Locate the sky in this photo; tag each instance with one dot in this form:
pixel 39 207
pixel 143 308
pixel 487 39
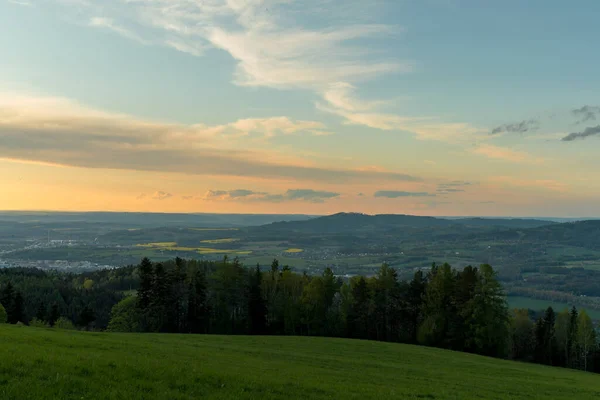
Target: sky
pixel 426 107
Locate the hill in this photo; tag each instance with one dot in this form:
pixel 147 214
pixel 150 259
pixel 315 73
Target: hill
pixel 49 364
pixel 357 222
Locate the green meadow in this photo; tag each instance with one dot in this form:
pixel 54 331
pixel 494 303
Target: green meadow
pixel 37 363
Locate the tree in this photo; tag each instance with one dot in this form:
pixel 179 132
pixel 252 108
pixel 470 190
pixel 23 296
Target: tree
pixel 545 338
pixel 86 317
pixel 54 315
pixel 197 313
pixel 125 316
pixel 40 315
pixel 160 295
pixel 358 316
pixel 573 355
pixel 18 311
pixel 146 281
pixel 257 310
pixel 488 325
pixel 88 284
pixel 3 315
pixel 7 298
pixel 522 339
pixel 438 307
pixel 562 329
pixel 586 337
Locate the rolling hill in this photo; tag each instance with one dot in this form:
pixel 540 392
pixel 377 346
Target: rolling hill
pixel 50 364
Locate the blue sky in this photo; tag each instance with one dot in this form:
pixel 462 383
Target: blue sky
pixel 372 89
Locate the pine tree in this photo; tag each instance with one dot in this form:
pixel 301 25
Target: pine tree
pixel 54 315
pixel 18 311
pixel 257 309
pixel 40 315
pixel 86 317
pixel 146 280
pixel 197 315
pixel 160 295
pixel 7 299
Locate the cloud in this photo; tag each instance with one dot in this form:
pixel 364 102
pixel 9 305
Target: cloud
pixel 306 195
pixel 546 184
pixel 160 195
pixel 393 194
pixel 586 113
pixel 506 154
pixel 270 127
pixel 519 127
pixel 590 131
pixel 59 131
pixel 452 187
pixel 108 23
pixel 340 100
pixel 20 3
pixel 270 45
pixel 316 196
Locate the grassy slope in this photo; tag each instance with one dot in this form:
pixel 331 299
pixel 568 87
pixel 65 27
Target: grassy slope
pixel 51 364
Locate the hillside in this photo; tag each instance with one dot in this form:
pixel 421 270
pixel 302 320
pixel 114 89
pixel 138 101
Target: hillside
pixel 49 364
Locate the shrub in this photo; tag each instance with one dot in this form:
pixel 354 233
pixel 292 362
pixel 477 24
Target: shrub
pixel 37 323
pixel 64 323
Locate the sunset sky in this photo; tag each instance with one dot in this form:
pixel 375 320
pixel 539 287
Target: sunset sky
pixel 429 107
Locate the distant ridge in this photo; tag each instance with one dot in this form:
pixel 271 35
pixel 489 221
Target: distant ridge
pixel 353 221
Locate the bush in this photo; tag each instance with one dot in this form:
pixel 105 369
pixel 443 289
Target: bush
pixel 36 323
pixel 64 323
pixel 3 315
pixel 125 316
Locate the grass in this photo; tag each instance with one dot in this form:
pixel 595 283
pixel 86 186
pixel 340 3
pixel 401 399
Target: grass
pixel 537 305
pixel 37 363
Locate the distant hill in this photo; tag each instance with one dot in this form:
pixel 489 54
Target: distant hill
pixel 357 222
pixel 71 365
pixel 584 234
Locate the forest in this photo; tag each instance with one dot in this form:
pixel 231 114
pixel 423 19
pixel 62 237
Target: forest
pixel 463 310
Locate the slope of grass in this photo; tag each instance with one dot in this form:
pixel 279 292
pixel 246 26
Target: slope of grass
pixel 54 364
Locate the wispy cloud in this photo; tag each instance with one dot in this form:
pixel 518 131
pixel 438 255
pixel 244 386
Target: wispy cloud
pixel 506 154
pixel 306 195
pixel 546 184
pixel 340 99
pixel 108 23
pixel 452 187
pixel 587 132
pixel 586 113
pixel 59 131
pixel 161 195
pixel 394 194
pixel 518 127
pixel 23 3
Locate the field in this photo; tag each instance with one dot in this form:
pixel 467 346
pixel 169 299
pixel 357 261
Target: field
pixel 537 305
pixel 52 364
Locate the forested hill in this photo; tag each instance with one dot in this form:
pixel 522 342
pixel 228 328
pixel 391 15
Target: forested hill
pixel 357 222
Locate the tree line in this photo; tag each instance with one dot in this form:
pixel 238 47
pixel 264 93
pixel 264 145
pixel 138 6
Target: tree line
pixel 462 310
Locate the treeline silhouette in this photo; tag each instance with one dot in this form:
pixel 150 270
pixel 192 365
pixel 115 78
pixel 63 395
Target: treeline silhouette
pixel 462 310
